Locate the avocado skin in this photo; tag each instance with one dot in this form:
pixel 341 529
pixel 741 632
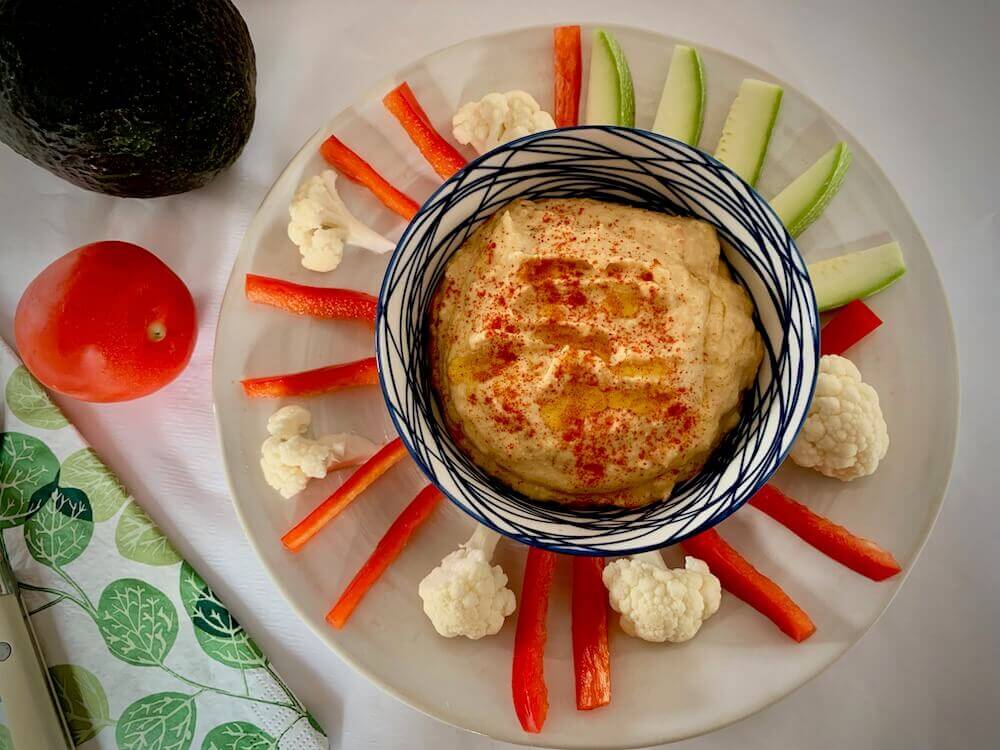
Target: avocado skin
pixel 134 98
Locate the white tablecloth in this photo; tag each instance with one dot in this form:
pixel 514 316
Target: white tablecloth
pixel 915 82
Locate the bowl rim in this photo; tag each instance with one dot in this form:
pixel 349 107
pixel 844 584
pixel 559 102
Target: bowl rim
pixel 580 550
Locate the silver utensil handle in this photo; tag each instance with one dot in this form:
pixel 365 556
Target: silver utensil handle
pixel 31 716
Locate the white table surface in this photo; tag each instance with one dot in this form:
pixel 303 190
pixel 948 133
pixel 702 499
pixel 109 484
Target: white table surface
pixel 915 82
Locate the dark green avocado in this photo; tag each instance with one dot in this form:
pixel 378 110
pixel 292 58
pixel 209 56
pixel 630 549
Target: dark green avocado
pixel 135 98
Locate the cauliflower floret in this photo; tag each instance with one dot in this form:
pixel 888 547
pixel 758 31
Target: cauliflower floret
pixel 288 422
pixel 464 595
pixel 311 456
pixel 287 479
pixel 844 435
pixel 659 604
pixel 321 224
pixel 498 118
pixel 289 459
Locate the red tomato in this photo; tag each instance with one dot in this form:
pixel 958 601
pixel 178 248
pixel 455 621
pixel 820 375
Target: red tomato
pixel 106 322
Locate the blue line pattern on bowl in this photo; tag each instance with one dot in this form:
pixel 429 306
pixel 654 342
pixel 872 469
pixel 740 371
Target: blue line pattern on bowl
pixel 641 169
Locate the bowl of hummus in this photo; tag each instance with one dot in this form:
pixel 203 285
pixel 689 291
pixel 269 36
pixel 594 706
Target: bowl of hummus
pixel 597 340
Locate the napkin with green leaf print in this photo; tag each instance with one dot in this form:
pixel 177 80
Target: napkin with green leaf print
pixel 141 651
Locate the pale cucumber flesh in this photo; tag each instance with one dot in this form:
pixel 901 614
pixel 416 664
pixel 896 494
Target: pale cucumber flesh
pixel 681 112
pixel 748 127
pixel 846 278
pixel 806 197
pixel 610 92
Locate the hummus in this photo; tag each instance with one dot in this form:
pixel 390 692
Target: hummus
pixel 591 353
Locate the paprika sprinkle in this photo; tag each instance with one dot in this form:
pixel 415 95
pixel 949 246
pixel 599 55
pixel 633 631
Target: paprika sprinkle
pixel 591 353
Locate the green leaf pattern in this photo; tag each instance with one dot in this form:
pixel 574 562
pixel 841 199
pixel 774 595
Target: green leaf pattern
pixel 30 403
pixel 86 471
pixel 137 621
pixel 162 721
pixel 217 631
pixel 82 700
pixel 61 509
pixel 139 539
pixel 238 735
pixel 26 465
pixel 240 652
pixel 60 530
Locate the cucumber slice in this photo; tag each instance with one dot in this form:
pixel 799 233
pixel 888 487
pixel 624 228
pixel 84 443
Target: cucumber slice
pixel 747 132
pixel 682 105
pixel 801 203
pixel 846 278
pixel 610 93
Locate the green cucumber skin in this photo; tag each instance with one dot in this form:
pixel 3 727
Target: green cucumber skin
pixel 831 186
pixel 692 57
pixel 834 302
pixel 750 175
pixel 700 69
pixel 626 89
pixel 767 138
pixel 830 300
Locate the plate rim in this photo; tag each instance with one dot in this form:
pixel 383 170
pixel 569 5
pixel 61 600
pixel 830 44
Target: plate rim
pixel 539 740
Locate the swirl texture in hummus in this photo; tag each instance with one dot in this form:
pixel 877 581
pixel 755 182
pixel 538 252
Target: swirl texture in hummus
pixel 591 353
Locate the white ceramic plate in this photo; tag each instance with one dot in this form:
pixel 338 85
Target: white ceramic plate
pixel 739 662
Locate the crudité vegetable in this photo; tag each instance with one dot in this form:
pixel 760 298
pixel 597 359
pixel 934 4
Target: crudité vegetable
pixel 499 117
pixel 320 224
pixel 657 603
pixel 591 656
pixel 747 131
pixel 531 696
pixel 290 456
pixel 440 154
pixel 806 197
pixel 744 581
pixel 410 98
pixel 352 166
pixel 847 327
pixel 388 456
pixel 568 74
pixel 312 382
pixel 857 553
pixel 466 595
pixel 108 321
pixel 844 435
pixel 314 301
pixel 386 551
pixel 681 112
pixel 837 281
pixel 610 91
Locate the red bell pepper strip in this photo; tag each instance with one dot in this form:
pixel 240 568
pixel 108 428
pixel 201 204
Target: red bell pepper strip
pixel 312 382
pixel 857 553
pixel 744 581
pixel 386 551
pixel 531 696
pixel 568 67
pixel 440 154
pixel 352 166
pixel 314 301
pixel 407 93
pixel 848 326
pixel 388 456
pixel 591 657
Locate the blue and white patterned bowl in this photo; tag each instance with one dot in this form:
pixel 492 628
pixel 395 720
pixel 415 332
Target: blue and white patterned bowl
pixel 646 170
